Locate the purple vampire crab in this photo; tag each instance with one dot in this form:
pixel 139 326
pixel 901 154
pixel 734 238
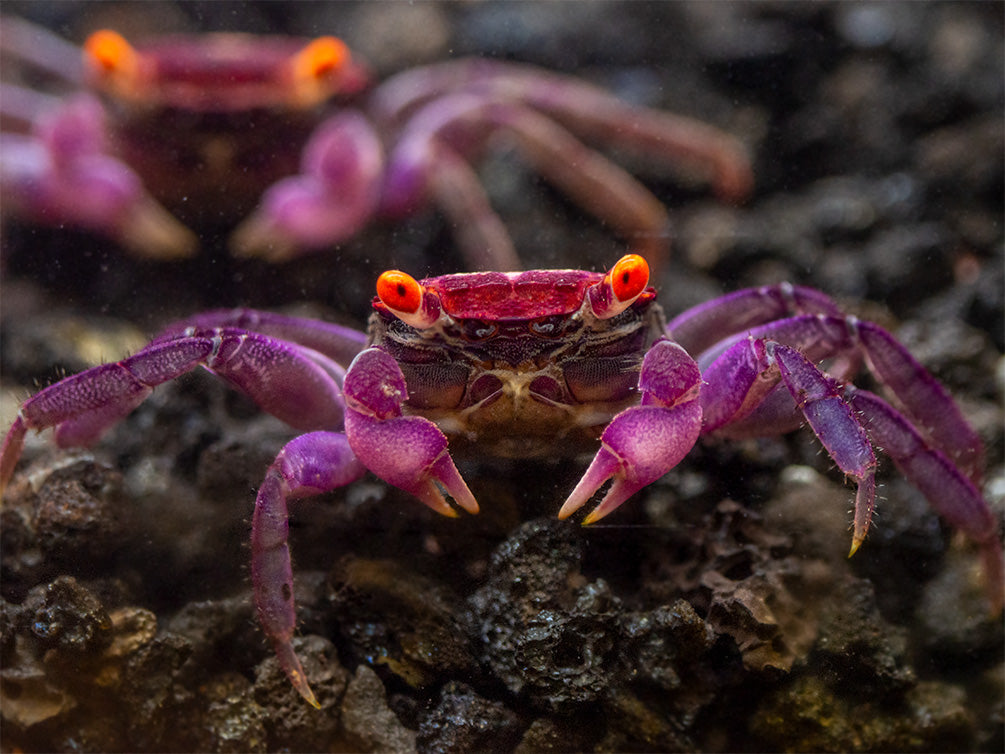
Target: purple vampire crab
pixel 520 364
pixel 206 127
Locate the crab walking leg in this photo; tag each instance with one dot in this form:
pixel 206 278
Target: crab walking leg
pixel 294 384
pixel 820 399
pixel 333 197
pixel 922 397
pixel 588 111
pixel 951 493
pixel 309 465
pixel 20 108
pixel 818 336
pixel 462 121
pixel 701 327
pixel 481 234
pixel 644 442
pixel 738 383
pixel 34 45
pixel 338 343
pixel 409 452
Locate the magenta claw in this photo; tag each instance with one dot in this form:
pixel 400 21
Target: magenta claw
pixel 643 443
pixel 409 452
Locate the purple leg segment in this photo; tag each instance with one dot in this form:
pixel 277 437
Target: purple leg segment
pixel 338 343
pixel 820 399
pixel 309 465
pixel 922 398
pixel 587 111
pixel 702 326
pixel 423 164
pixel 296 385
pixel 644 442
pixel 951 493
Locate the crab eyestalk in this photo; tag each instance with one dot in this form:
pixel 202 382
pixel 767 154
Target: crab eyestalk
pixel 621 286
pixel 408 300
pixel 314 71
pixel 113 62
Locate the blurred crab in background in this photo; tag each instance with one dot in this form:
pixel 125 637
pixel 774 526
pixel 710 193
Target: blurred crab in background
pixel 286 138
pixel 518 365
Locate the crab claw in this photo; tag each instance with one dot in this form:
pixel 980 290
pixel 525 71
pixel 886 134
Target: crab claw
pixel 62 172
pixel 643 443
pixel 330 201
pixel 409 452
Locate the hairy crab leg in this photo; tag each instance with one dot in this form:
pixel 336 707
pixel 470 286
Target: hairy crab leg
pixel 31 44
pixel 951 494
pixel 820 336
pixel 701 327
pixel 338 343
pixel 845 420
pixel 308 465
pixel 481 234
pixel 821 401
pixel 644 442
pixel 586 110
pixel 20 108
pixel 297 385
pixel 409 452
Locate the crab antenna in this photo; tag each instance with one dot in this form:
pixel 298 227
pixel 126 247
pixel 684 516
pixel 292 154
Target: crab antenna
pixel 407 299
pixel 624 283
pixel 315 69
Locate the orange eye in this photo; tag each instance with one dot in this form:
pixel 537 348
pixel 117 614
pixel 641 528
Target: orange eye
pixel 629 277
pixel 320 58
pixel 109 52
pixel 400 292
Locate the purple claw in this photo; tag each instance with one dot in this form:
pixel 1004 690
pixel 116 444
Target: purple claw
pixel 333 198
pixel 409 452
pixel 643 443
pixel 63 173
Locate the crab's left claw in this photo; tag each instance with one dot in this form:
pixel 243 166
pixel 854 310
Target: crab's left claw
pixel 335 194
pixel 409 452
pixel 644 442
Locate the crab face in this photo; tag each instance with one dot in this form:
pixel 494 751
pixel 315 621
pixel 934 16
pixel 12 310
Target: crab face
pixel 515 361
pixel 209 122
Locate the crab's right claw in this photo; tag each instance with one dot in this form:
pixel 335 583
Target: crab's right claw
pixel 62 173
pixel 643 443
pixel 409 452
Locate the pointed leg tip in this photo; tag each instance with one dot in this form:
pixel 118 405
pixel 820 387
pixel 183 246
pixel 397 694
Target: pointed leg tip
pixel 856 541
pixel 290 664
pixel 304 689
